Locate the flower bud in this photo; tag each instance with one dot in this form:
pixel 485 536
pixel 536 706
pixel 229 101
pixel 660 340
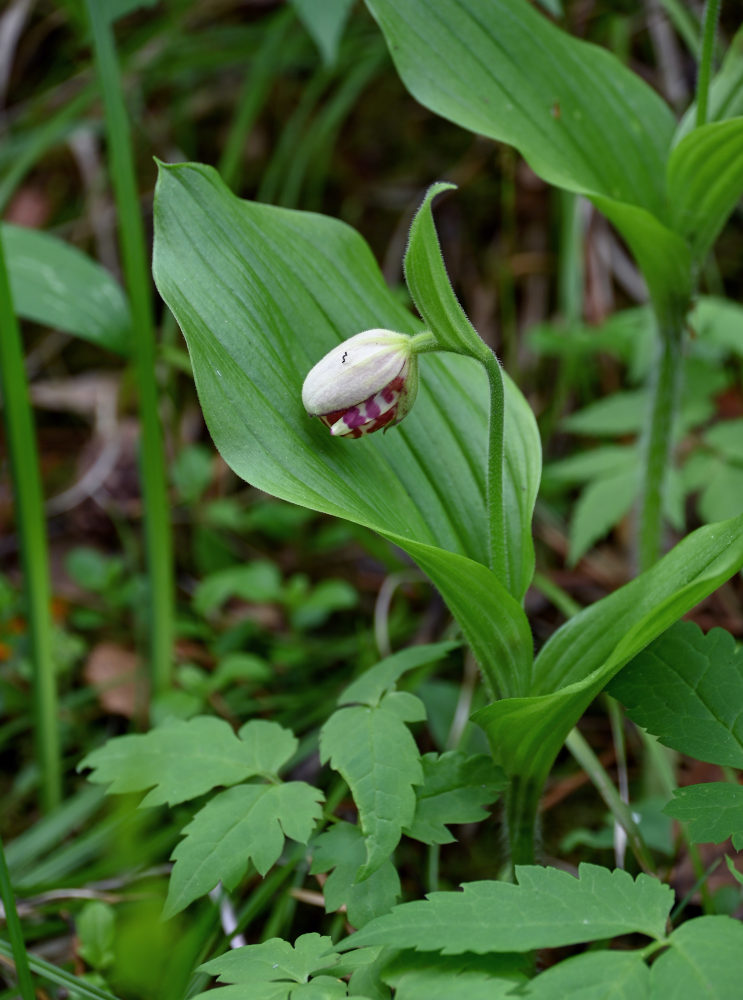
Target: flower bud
pixel 367 383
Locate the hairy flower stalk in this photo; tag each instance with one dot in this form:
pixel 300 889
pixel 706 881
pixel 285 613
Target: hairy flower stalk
pixel 367 383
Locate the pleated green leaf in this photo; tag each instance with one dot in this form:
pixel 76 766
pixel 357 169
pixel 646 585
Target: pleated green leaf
pixel 705 181
pixel 57 285
pixel 261 294
pixel 586 652
pixel 580 118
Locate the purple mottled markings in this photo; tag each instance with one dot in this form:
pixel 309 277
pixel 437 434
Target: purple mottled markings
pixel 372 414
pixel 354 417
pixel 372 409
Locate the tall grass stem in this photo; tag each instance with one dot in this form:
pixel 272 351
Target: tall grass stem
pixel 157 527
pixel 31 526
pixel 15 932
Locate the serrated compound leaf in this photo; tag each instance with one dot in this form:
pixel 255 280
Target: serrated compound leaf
pixel 266 991
pixel 270 745
pixel 686 688
pixel 705 960
pixel 274 960
pixel 456 788
pixel 406 706
pixel 341 850
pixel 502 69
pixel 597 975
pixel 224 267
pixel 243 824
pixel 181 759
pixel 57 285
pixel 321 988
pixel 373 750
pixel 713 812
pixel 375 682
pixel 547 909
pixel 447 977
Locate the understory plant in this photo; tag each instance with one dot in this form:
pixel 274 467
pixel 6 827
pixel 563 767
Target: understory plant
pixel 264 294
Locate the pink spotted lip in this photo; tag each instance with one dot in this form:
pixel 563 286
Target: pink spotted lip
pixel 373 414
pixel 365 384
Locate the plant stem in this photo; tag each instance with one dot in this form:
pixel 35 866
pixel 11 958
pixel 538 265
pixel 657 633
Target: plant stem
pixel 157 528
pixel 15 932
pixel 24 464
pixel 706 54
pixel 521 805
pixel 657 451
pixel 494 499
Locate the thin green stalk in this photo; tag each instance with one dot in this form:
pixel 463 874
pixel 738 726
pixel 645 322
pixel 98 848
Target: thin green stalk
pixel 75 986
pixel 593 767
pixel 522 824
pixel 657 445
pixel 157 528
pixel 24 465
pixel 15 932
pixel 706 55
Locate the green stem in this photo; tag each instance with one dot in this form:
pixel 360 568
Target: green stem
pixel 157 528
pixel 706 54
pixel 15 932
pixel 658 441
pixel 494 499
pixel 24 464
pixel 521 808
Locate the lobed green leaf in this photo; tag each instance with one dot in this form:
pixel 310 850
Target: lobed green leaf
pixel 548 908
pixel 594 975
pixel 373 750
pixel 374 683
pixel 242 824
pixel 456 788
pixel 342 848
pixel 712 811
pixel 181 760
pixel 705 960
pixel 686 688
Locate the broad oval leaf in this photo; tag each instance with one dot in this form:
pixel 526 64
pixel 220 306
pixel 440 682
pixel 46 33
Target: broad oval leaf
pixel 261 293
pixel 57 285
pixel 500 68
